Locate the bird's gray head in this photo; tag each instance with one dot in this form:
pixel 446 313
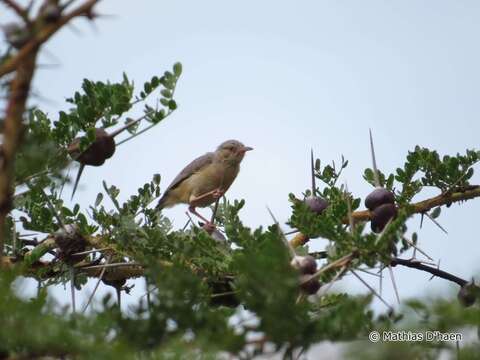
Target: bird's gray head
pixel 232 150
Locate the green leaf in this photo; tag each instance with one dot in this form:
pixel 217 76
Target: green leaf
pixel 177 69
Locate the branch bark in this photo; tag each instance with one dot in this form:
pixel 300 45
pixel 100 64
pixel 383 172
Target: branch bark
pixel 432 270
pixel 23 63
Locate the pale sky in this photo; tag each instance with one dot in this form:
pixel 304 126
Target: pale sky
pixel 284 77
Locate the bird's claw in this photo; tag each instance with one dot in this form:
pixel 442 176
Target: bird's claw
pixel 209 227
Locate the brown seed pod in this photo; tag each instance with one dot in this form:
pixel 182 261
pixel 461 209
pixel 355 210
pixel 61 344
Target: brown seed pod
pixel 305 264
pixel 70 241
pixel 316 204
pixel 467 295
pixel 378 197
pixel 100 150
pixel 309 287
pixel 381 216
pixel 116 283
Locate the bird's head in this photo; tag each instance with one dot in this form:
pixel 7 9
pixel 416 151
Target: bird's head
pixel 232 151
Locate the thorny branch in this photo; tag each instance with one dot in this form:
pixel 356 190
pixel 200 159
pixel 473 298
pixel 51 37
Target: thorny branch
pixel 23 64
pixel 432 270
pixel 420 207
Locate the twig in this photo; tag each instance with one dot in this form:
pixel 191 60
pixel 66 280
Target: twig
pixel 31 48
pixel 215 208
pixel 142 131
pixel 23 13
pixel 108 265
pixel 434 271
pixel 130 124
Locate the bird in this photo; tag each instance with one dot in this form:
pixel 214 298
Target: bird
pixel 205 179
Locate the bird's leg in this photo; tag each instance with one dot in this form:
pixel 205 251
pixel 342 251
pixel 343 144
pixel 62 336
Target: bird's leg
pixel 194 212
pixel 217 193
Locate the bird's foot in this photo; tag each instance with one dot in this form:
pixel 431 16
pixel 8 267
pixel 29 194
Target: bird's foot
pixel 209 227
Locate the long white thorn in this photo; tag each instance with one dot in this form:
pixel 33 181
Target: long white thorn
pixel 374 161
pixel 374 292
pixel 72 288
pixel 312 169
pixel 285 240
pixel 394 283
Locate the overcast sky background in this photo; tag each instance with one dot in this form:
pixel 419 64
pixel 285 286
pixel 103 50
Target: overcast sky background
pixel 284 77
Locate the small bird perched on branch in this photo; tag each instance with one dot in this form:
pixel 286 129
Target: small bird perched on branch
pixel 206 178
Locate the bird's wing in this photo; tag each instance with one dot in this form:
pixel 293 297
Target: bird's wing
pixel 191 169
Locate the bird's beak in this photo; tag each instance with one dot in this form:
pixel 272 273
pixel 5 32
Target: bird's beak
pixel 246 148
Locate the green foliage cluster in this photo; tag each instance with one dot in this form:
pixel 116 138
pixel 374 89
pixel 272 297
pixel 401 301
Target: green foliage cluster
pixel 207 297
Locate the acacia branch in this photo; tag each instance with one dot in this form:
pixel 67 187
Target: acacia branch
pixel 420 207
pixel 432 270
pixel 43 35
pixel 12 135
pixel 23 63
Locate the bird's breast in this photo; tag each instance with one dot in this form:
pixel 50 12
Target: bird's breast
pixel 212 177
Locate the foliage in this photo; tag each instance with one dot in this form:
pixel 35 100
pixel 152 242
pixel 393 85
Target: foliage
pixel 208 298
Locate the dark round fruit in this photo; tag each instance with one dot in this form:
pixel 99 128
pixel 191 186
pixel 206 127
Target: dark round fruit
pixel 381 216
pixel 305 264
pixel 378 197
pixel 95 155
pixel 309 287
pixel 316 204
pixel 467 295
